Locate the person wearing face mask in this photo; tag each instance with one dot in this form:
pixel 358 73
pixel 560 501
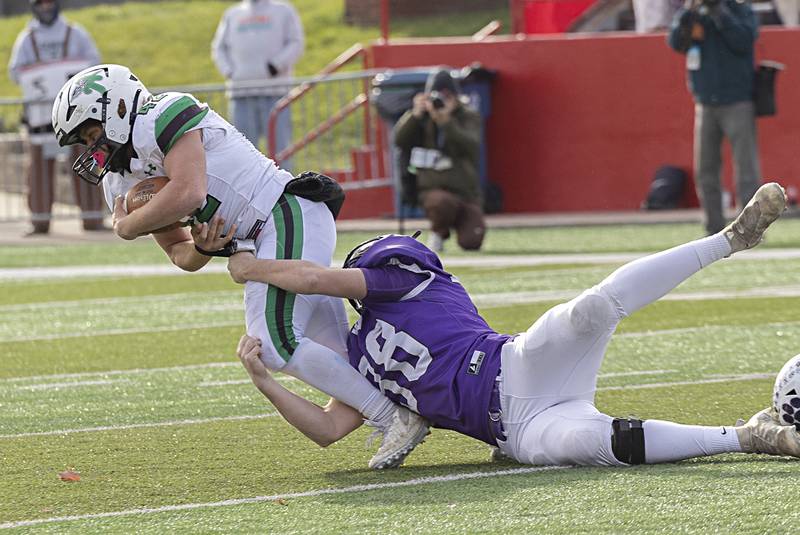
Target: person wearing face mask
pixel 46 54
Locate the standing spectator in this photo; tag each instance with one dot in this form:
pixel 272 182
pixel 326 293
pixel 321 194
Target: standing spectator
pixel 718 37
pixel 443 136
pixel 654 15
pixel 46 53
pixel 788 10
pixel 258 40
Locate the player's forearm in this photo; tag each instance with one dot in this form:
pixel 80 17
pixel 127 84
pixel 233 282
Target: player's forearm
pixel 299 276
pixel 185 256
pixel 175 204
pixel 313 421
pixel 296 276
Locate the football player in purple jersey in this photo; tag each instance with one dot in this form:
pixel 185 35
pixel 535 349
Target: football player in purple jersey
pixel 420 339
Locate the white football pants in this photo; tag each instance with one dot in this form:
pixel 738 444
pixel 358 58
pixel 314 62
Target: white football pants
pixel 306 335
pixel 549 373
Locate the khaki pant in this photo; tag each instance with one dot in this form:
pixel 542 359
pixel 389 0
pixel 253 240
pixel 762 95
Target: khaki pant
pixel 41 192
pixel 447 211
pixel 737 122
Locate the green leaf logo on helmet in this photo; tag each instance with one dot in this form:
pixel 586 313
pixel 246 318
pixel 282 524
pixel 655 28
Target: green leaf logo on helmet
pixel 88 84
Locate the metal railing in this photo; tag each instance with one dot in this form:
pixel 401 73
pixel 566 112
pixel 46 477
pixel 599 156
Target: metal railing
pixel 357 51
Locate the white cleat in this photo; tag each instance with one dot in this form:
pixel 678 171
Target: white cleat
pixel 763 434
pixel 406 431
pixel 747 230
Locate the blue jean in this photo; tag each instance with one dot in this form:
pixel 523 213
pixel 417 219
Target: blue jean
pixel 250 116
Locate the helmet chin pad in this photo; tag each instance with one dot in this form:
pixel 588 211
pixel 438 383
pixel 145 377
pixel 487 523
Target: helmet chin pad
pixel 93 164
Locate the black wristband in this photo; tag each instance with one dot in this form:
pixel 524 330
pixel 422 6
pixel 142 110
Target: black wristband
pixel 227 251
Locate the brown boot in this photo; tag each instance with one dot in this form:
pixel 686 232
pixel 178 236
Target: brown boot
pixel 763 434
pixel 764 208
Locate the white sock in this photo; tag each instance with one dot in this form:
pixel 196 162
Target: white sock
pixel 712 248
pixel 667 441
pixel 326 370
pixel 647 279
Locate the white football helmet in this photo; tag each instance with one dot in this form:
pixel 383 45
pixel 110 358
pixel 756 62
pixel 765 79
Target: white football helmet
pixel 109 94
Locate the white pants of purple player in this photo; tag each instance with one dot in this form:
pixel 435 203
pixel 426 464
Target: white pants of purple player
pixel 549 373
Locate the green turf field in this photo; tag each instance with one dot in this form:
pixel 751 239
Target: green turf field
pixel 132 381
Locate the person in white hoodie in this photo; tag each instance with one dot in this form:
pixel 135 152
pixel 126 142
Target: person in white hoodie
pixel 46 53
pixel 258 40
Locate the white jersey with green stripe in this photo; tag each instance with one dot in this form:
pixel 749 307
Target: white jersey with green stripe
pixel 243 184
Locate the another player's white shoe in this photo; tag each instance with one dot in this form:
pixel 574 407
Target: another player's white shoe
pixel 763 434
pixel 406 431
pixel 747 230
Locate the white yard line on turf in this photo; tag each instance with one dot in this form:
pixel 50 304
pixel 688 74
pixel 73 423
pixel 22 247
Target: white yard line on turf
pixel 716 379
pixel 521 298
pixel 132 371
pixel 745 377
pixel 481 299
pixel 186 327
pixel 33 273
pixel 215 365
pixel 171 423
pixel 52 386
pixel 125 301
pixel 634 373
pixel 132 330
pixel 288 496
pixel 207 384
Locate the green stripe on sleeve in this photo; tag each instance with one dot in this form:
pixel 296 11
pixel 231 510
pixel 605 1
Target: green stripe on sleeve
pixel 171 112
pixel 179 117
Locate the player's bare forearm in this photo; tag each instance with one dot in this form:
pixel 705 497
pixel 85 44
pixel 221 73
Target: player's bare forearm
pixel 299 276
pixel 184 193
pixel 324 425
pixel 179 247
pixel 171 204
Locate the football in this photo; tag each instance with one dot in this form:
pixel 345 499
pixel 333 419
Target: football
pixel 141 193
pixel 786 396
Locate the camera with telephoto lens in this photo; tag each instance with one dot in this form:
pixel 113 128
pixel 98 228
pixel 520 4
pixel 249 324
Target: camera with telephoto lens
pixel 436 100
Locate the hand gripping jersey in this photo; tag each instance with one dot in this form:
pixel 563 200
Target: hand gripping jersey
pixel 243 184
pixel 421 341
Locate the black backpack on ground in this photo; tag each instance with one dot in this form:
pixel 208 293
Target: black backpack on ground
pixel 666 191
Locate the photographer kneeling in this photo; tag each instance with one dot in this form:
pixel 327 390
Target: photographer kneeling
pixel 443 137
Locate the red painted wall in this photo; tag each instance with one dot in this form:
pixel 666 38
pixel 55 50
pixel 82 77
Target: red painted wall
pixel 581 122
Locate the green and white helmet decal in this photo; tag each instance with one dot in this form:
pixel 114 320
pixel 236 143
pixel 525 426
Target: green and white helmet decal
pixel 107 93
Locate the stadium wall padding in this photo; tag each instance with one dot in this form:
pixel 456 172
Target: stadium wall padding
pixel 581 122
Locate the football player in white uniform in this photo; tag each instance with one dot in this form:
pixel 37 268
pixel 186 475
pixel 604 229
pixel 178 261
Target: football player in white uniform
pixel 233 192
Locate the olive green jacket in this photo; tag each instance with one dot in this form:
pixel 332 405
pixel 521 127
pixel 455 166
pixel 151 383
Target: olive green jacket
pixel 459 141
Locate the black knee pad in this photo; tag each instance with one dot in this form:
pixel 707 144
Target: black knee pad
pixel 627 440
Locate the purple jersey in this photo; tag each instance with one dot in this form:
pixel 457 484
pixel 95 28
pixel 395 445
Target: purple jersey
pixel 421 341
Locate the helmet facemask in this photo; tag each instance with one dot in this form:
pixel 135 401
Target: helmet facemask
pixel 93 164
pixel 350 262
